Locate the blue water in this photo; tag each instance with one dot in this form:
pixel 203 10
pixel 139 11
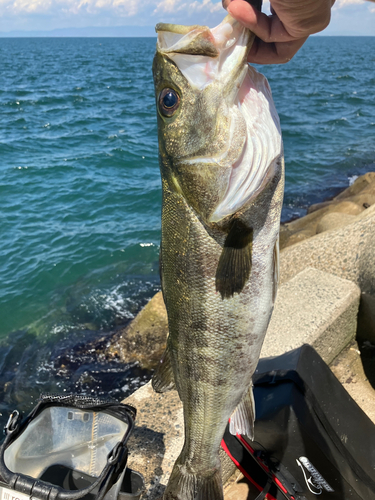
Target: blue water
pixel 80 190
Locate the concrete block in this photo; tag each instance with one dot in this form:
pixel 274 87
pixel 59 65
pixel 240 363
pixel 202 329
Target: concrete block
pixel 315 308
pixel 351 370
pixel 157 438
pixel 347 252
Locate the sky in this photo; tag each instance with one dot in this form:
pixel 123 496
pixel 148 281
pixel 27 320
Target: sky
pixel 349 17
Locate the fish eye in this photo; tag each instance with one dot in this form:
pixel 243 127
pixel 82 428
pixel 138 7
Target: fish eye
pixel 169 101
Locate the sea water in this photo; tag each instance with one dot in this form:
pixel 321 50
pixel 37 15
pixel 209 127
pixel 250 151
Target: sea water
pixel 80 192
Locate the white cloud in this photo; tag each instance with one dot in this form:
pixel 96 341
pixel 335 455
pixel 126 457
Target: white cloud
pixel 124 8
pixel 121 8
pixel 173 6
pixel 50 14
pixel 344 3
pixel 27 6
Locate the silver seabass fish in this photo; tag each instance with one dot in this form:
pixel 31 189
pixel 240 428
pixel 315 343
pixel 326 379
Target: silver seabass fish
pixel 222 175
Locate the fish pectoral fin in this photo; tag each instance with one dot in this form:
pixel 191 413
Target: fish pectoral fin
pixel 242 419
pixel 163 379
pixel 234 265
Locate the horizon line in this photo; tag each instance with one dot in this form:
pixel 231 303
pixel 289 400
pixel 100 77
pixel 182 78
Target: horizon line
pixel 147 31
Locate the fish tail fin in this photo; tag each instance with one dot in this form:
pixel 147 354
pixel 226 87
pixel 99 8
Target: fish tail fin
pixel 242 419
pixel 163 379
pixel 185 485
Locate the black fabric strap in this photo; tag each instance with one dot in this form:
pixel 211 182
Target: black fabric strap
pixel 266 489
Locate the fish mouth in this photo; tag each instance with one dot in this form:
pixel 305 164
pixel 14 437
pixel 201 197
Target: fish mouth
pixel 205 55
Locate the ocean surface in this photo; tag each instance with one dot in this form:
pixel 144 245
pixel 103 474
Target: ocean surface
pixel 80 191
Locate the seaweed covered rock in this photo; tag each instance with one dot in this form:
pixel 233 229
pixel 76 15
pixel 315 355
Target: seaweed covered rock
pixel 144 339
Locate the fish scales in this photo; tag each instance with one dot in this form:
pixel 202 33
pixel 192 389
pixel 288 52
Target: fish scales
pixel 219 250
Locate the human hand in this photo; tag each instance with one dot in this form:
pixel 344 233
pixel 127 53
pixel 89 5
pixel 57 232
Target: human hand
pixel 282 34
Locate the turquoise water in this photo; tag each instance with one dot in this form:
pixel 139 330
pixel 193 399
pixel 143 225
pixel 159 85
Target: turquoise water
pixel 80 189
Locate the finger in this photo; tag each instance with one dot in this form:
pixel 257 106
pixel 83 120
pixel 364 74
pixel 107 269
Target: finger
pixel 267 28
pixel 274 53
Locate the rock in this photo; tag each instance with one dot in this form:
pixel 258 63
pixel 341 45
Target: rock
pixel 308 221
pixel 370 189
pixel 144 339
pixel 363 198
pixel 364 183
pixel 347 207
pixel 313 308
pixel 349 368
pixel 366 318
pixel 359 184
pixel 285 234
pixel 157 438
pixel 294 238
pixel 334 220
pixel 318 206
pixel 240 488
pixel 347 252
pixel 305 227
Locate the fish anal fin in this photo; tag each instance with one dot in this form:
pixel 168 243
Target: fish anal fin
pixel 234 265
pixel 163 379
pixel 242 419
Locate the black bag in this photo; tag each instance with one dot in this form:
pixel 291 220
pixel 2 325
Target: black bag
pixel 311 439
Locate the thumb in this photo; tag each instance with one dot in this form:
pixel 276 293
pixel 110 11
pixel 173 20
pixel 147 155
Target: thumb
pixel 267 28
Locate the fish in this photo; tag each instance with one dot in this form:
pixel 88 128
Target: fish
pixel 222 173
